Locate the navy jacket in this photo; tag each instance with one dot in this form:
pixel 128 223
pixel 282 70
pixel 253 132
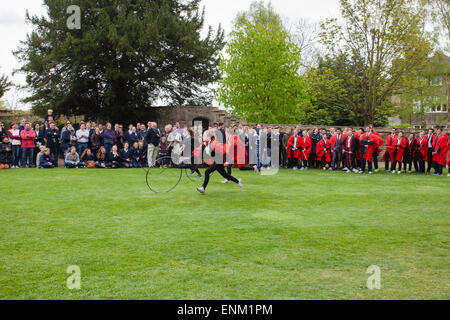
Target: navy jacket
pixel 153 136
pixel 124 155
pixel 52 137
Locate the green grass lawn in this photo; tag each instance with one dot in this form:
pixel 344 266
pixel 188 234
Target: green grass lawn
pixel 295 235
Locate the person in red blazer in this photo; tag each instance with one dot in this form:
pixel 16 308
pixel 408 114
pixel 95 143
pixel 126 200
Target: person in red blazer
pixel 351 144
pixel 218 153
pixel 448 160
pixel 368 141
pixel 306 149
pixel 293 149
pixel 430 138
pixel 439 151
pixel 390 149
pixel 399 151
pixel 421 152
pixel 323 151
pixel 408 156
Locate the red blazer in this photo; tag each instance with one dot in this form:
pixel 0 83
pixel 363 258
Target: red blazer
pixel 440 143
pixel 400 146
pixel 448 149
pixel 333 141
pixel 390 142
pixel 323 149
pixel 371 147
pixel 306 147
pixel 422 147
pixel 290 146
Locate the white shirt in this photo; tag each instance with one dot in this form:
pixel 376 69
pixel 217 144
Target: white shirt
pixel 80 133
pixel 15 142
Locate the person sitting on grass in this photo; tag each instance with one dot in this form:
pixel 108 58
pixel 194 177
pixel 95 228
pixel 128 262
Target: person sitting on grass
pixel 125 157
pixel 88 158
pixel 113 158
pixel 5 153
pixel 38 157
pixel 45 161
pixel 101 158
pixel 72 159
pixel 135 155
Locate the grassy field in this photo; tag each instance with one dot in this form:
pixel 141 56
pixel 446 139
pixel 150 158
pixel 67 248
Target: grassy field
pixel 295 235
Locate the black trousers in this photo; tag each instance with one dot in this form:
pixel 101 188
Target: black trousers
pixel 394 165
pixel 220 169
pixel 386 165
pixel 350 161
pixel 419 163
pixel 437 167
pixel 430 159
pixel 375 158
pixel 363 165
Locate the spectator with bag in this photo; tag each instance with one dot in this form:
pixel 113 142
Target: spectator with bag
pixel 88 159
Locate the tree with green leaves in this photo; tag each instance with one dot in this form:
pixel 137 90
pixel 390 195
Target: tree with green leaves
pixel 388 42
pixel 5 85
pixel 260 80
pixel 127 56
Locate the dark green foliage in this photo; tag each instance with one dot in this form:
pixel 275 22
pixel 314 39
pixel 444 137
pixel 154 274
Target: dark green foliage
pixel 128 56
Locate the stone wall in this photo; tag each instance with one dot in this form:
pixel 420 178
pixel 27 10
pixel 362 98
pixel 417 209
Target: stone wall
pixel 186 115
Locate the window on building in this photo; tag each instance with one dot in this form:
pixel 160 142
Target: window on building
pixel 436 81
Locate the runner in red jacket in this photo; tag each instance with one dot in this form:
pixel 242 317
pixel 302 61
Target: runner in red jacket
pixel 218 153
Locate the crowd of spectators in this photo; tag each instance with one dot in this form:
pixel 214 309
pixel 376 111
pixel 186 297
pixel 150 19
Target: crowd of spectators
pixel 97 145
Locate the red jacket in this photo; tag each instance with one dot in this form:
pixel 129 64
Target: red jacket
pixel 448 149
pixel 390 142
pixel 290 146
pixel 323 149
pixel 27 137
pixel 371 142
pixel 400 145
pixel 422 147
pixel 440 146
pixel 306 147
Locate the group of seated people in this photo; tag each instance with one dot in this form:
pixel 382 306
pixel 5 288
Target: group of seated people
pixel 124 158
